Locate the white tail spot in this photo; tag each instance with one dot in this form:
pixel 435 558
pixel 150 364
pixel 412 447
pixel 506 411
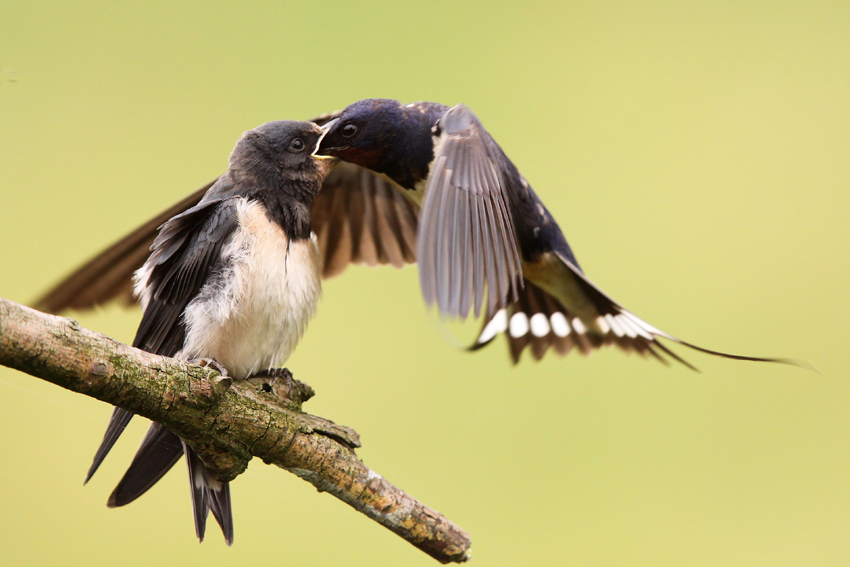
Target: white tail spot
pixel 519 325
pixel 644 329
pixel 615 325
pixel 627 325
pixel 559 324
pixel 498 324
pixel 539 325
pixel 578 326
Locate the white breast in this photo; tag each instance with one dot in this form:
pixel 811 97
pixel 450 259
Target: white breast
pixel 271 287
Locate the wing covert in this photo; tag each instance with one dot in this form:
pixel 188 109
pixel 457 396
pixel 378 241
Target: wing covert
pixel 185 253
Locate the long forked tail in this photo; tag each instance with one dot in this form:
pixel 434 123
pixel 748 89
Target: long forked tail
pixel 575 314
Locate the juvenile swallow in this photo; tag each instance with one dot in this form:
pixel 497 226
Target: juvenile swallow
pixel 425 182
pixel 234 278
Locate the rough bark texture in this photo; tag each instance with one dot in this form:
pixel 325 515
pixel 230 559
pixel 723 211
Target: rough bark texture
pixel 227 422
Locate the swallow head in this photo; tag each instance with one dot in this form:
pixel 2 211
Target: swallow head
pixel 381 135
pixel 364 131
pixel 280 149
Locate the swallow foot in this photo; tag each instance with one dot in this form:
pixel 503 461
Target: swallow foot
pixel 275 373
pixel 212 364
pixel 209 388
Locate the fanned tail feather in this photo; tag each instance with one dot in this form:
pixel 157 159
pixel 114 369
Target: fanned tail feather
pixel 541 322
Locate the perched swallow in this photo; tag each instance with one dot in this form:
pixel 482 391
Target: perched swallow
pixel 234 278
pixel 425 181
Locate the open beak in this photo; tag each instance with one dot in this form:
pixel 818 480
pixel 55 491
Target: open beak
pixel 328 126
pixel 320 151
pixel 325 129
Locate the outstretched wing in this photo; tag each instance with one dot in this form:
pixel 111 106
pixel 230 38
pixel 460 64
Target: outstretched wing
pixel 109 275
pixel 467 243
pixel 363 217
pixel 360 217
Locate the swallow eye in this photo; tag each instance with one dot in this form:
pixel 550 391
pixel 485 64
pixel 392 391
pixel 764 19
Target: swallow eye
pixel 348 130
pixel 296 145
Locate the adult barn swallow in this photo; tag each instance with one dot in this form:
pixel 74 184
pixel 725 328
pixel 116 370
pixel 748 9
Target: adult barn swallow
pixel 427 181
pixel 234 278
pixel 486 242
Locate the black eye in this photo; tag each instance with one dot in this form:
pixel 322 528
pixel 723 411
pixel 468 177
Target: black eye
pixel 296 145
pixel 348 130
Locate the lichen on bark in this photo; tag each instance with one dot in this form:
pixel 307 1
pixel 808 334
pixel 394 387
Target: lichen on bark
pixel 227 423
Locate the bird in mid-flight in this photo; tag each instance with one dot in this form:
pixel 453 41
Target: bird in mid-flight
pixel 486 242
pixel 234 278
pixel 426 183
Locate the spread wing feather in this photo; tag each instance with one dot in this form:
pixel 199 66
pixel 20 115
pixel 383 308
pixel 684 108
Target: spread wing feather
pixel 360 217
pixel 109 275
pixel 467 244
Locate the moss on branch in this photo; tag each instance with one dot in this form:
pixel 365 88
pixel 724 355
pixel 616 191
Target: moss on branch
pixel 227 422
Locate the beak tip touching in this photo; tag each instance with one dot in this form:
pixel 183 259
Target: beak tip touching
pixel 324 132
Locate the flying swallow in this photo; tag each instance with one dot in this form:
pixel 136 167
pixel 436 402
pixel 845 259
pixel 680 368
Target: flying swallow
pixel 425 182
pixel 486 243
pixel 234 279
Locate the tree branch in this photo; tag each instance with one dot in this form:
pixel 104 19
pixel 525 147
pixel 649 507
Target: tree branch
pixel 226 422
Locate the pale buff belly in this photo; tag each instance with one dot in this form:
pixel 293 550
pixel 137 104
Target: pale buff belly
pixel 254 317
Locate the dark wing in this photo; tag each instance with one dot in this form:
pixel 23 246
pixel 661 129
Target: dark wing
pixel 359 216
pixel 118 422
pixel 467 242
pixel 109 275
pixel 362 217
pixel 185 256
pixel 185 253
pixel 159 451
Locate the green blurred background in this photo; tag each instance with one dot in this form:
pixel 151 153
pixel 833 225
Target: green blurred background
pixel 697 155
